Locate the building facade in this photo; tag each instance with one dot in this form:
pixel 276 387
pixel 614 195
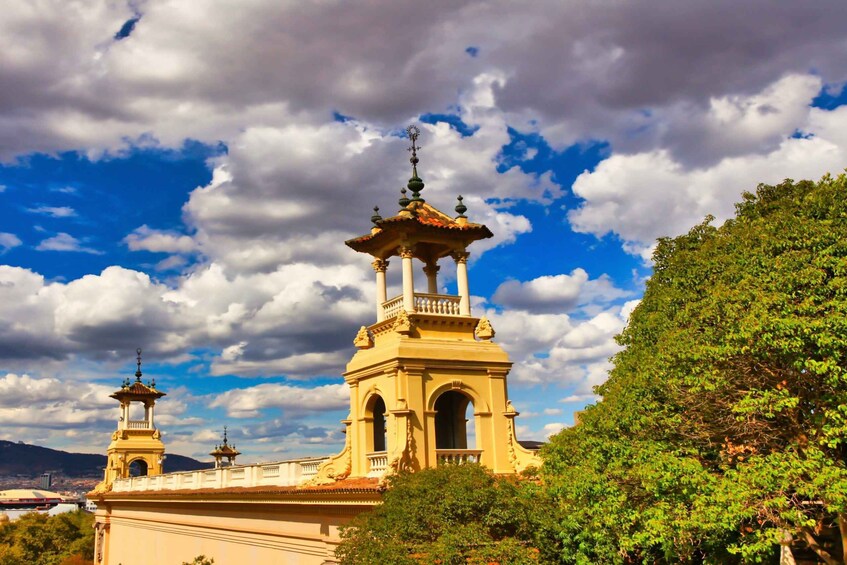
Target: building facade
pixel 427 388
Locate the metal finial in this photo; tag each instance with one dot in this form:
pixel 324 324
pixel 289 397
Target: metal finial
pixel 224 435
pixel 138 362
pixel 376 217
pixel 461 208
pixel 404 200
pixel 415 184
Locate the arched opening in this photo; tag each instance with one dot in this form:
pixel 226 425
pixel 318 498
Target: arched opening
pixel 378 430
pixel 138 468
pixel 452 412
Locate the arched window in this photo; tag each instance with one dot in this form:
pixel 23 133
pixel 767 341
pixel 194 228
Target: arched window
pixel 138 468
pixel 451 420
pixel 379 424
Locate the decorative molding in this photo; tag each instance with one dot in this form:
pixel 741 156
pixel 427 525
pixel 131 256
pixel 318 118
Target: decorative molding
pixel 363 339
pixel 460 256
pixel 484 330
pixel 402 323
pixel 380 265
pixel 406 252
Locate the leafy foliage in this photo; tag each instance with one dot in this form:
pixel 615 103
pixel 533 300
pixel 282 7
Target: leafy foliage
pixel 452 514
pixel 39 539
pixel 200 560
pixel 723 426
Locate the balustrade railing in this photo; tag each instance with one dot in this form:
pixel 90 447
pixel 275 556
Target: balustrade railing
pixel 377 463
pixel 282 473
pixel 457 456
pixel 137 424
pixel 439 304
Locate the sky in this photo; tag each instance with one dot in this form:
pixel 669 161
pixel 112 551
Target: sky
pixel 181 177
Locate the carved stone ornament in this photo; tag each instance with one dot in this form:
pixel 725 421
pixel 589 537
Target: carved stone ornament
pixel 363 339
pixel 483 330
pixel 402 323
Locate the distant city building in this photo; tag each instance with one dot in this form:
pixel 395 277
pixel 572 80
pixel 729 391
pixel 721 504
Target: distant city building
pixel 16 502
pixel 46 481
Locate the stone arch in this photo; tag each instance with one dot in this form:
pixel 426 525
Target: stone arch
pixel 479 403
pixel 451 430
pixel 375 418
pixel 138 467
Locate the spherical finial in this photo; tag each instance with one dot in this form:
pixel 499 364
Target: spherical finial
pixel 376 217
pixel 404 200
pixel 460 207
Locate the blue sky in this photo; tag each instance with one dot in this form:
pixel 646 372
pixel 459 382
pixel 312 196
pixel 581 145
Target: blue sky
pixel 187 189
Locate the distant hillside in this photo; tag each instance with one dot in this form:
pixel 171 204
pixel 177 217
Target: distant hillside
pixel 32 460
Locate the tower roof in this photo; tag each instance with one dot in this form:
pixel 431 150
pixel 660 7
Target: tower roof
pixel 224 449
pixel 137 390
pixel 434 233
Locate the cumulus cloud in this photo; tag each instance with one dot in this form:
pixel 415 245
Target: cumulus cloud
pixel 66 242
pixel 557 293
pixel 626 194
pixel 599 71
pixel 52 403
pixel 248 402
pixel 144 238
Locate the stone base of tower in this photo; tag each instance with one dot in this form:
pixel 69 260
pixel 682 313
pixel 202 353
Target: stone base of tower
pixel 263 525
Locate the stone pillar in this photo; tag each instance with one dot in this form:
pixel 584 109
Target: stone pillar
pixel 461 258
pixel 408 280
pixel 380 266
pixel 431 272
pixel 150 423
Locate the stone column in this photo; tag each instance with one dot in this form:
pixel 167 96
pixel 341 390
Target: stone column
pixel 150 423
pixel 380 266
pixel 408 280
pixel 431 272
pixel 461 258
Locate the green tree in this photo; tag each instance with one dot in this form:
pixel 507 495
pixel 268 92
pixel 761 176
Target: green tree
pixel 723 426
pixel 452 514
pixel 39 539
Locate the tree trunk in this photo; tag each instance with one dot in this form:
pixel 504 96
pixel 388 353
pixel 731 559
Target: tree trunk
pixel 822 553
pixel 842 527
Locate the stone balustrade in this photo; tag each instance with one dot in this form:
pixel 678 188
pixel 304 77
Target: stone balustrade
pixel 457 456
pixel 377 463
pixel 282 473
pixel 137 424
pixel 439 304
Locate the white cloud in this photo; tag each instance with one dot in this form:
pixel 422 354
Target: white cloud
pixel 54 211
pixel 65 242
pixel 52 403
pixel 8 241
pixel 248 402
pixel 146 239
pixel 647 195
pixel 557 293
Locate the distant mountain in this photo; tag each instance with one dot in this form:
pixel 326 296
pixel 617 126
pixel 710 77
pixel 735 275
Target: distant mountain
pixel 32 461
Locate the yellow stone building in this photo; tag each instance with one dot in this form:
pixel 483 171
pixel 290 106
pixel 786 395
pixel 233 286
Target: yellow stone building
pixel 427 387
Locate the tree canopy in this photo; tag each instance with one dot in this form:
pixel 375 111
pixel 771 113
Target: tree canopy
pixel 452 514
pixel 39 539
pixel 722 432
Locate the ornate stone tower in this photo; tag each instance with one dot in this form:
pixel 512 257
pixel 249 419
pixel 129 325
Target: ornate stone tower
pixel 136 447
pixel 428 384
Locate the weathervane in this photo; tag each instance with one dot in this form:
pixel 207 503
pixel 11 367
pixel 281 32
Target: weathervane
pixel 416 185
pixel 138 362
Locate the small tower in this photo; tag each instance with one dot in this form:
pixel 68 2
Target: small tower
pixel 222 451
pixel 427 367
pixel 136 448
